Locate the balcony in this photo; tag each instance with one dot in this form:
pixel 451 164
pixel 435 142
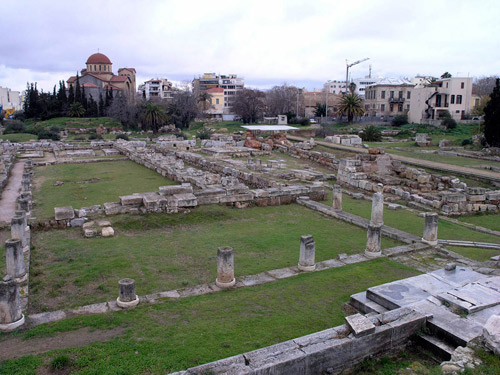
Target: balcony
pixel 396 100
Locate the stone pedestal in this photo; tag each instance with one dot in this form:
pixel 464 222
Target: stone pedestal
pixel 373 238
pixel 127 298
pixel 24 204
pixel 225 267
pixel 431 229
pixel 11 316
pixel 337 198
pixel 307 254
pixel 18 229
pixel 16 267
pixel 377 217
pixel 27 231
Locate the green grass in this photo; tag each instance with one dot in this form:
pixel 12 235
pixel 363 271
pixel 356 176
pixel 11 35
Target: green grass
pixel 74 122
pixel 177 334
pixel 164 252
pixel 412 223
pixel 490 221
pixel 18 137
pixel 115 179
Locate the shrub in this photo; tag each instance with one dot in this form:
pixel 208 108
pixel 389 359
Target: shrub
pixel 371 134
pixel 399 120
pixel 203 134
pixel 182 135
pixel 449 123
pixel 95 136
pixel 122 136
pixel 47 134
pixel 14 126
pixel 80 138
pixel 466 142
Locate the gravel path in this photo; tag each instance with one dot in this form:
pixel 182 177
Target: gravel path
pixel 8 202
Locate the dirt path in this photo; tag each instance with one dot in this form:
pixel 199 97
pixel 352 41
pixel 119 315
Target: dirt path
pixel 16 347
pixel 8 202
pixel 450 168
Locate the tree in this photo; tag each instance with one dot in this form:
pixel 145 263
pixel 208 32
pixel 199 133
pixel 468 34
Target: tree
pixel 400 120
pixel 371 134
pixel 492 117
pixel 71 95
pixel 478 109
pixel 282 100
pixel 249 105
pixel 76 110
pixel 122 110
pixel 446 75
pixel 154 116
pixel 320 110
pixel 350 105
pixel 78 90
pixel 352 87
pixel 447 121
pixel 183 109
pixel 204 100
pixel 484 86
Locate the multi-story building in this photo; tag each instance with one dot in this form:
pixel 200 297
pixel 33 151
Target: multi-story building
pixel 160 88
pixel 10 100
pixel 363 83
pixel 216 101
pixel 323 97
pixel 430 101
pixel 334 87
pixel 388 97
pixel 231 84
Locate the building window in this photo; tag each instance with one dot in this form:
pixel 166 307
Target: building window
pixel 452 100
pixel 407 107
pixel 217 101
pixel 462 85
pixel 400 94
pixel 99 68
pixel 392 94
pixel 382 94
pixel 400 108
pixel 446 84
pixel 392 107
pixel 408 94
pixel 459 99
pixel 382 107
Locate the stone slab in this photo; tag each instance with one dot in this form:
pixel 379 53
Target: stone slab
pixel 459 277
pixel 360 325
pixel 282 273
pixel 260 278
pixel 327 264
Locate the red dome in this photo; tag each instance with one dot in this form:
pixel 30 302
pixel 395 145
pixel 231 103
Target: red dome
pixel 98 58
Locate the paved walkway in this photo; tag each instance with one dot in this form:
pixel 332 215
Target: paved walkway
pixel 450 168
pixel 8 202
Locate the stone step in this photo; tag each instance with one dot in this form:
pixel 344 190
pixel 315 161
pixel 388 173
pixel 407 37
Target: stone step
pixel 363 304
pixel 437 346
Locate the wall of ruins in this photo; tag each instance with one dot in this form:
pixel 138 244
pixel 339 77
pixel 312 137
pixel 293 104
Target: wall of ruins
pixel 323 158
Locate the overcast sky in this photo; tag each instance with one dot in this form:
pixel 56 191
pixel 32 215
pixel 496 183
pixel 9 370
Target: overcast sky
pixel 268 42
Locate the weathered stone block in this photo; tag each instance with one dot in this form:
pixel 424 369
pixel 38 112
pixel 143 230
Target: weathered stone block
pixel 131 200
pixel 64 213
pixel 107 232
pixel 176 189
pixel 359 325
pixel 185 200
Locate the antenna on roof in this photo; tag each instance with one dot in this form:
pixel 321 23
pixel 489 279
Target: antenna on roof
pixel 98 50
pixel 370 71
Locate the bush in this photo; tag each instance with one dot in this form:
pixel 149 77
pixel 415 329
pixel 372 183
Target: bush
pixel 95 136
pixel 203 134
pixel 60 362
pixel 371 134
pixel 183 136
pixel 122 136
pixel 449 123
pixel 466 142
pixel 14 126
pixel 399 120
pixel 80 138
pixel 47 134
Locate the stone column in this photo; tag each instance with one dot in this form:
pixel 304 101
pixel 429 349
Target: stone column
pixel 373 238
pixel 431 229
pixel 337 198
pixel 377 209
pixel 11 316
pixel 23 204
pixel 307 253
pixel 27 230
pixel 16 267
pixel 23 214
pixel 18 229
pixel 225 267
pixel 127 297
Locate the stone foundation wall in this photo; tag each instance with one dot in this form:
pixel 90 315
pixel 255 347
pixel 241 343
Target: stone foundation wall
pixel 323 158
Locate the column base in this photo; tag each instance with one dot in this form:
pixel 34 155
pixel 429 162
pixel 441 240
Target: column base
pixel 220 284
pixel 373 254
pixel 22 279
pixel 12 326
pixel 127 305
pixel 306 268
pixel 26 249
pixel 432 243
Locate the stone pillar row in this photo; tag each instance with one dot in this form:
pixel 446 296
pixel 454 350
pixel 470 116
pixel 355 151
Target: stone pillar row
pixel 374 233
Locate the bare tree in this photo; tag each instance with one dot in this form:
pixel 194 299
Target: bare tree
pixel 183 108
pixel 484 85
pixel 249 105
pixel 284 99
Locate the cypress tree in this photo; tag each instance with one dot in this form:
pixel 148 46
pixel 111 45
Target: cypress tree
pixel 101 105
pixel 492 117
pixel 84 97
pixel 78 90
pixel 71 95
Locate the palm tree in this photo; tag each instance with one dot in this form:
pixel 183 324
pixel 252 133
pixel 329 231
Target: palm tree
pixel 76 110
pixel 350 105
pixel 371 134
pixel 154 116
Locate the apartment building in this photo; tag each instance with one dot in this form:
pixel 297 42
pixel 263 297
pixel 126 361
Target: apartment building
pixel 216 110
pixel 430 101
pixel 10 99
pixel 334 87
pixel 160 88
pixel 231 84
pixel 388 97
pixel 323 97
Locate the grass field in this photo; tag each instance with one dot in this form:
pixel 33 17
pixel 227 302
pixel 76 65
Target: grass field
pixel 89 184
pixel 18 137
pixel 73 122
pixel 490 221
pixel 177 334
pixel 163 252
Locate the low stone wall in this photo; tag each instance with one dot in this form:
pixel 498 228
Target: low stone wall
pixel 326 352
pixel 323 158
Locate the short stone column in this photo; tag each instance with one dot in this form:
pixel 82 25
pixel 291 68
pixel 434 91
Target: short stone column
pixel 16 267
pixel 225 267
pixel 127 298
pixel 377 217
pixel 27 230
pixel 11 315
pixel 431 229
pixel 307 253
pixel 337 198
pixel 18 230
pixel 373 239
pixel 22 213
pixel 23 204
